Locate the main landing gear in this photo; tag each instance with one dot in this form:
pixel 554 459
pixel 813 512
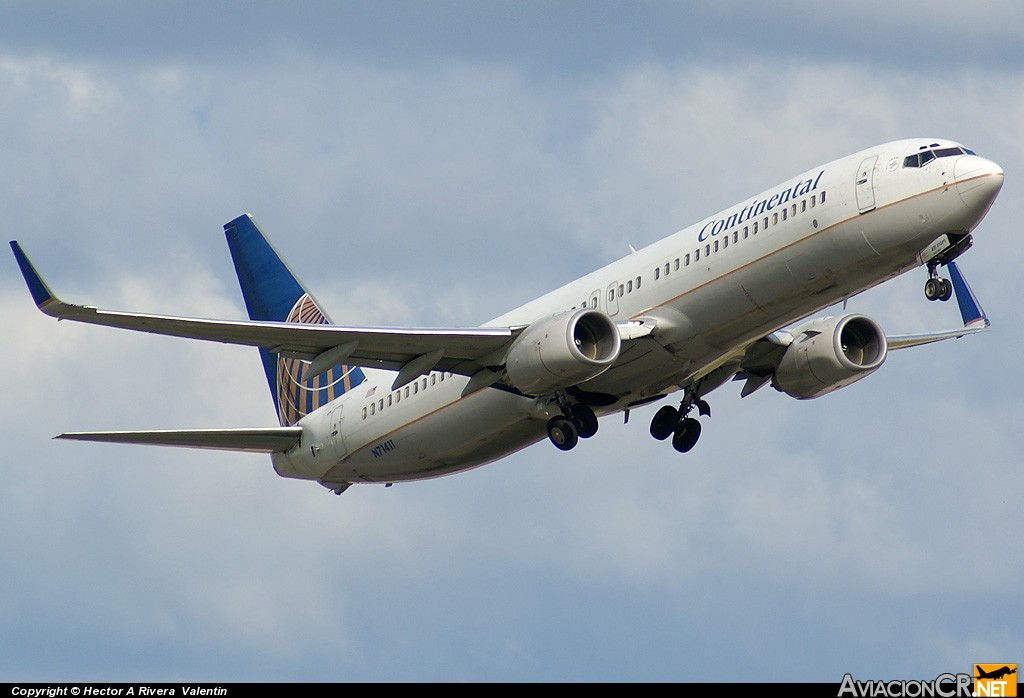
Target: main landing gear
pixel 684 430
pixel 576 422
pixel 936 288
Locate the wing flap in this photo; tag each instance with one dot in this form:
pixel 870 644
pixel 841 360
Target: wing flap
pixel 258 440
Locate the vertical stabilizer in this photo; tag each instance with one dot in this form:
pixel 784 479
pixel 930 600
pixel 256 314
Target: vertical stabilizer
pixel 272 293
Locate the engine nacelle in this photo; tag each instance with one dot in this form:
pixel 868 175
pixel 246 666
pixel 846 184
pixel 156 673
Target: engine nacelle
pixel 828 354
pixel 562 350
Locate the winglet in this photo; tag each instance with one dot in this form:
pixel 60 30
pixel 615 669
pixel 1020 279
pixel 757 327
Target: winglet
pixel 973 316
pixel 970 308
pixel 41 293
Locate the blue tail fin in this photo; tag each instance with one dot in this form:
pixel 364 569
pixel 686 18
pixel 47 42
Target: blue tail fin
pixel 272 293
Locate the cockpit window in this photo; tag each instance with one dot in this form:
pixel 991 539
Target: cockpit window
pixel 923 158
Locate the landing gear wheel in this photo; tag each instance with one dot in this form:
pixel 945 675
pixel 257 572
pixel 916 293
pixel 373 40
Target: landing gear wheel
pixel 947 290
pixel 584 420
pixel 664 422
pixel 562 433
pixel 686 435
pixel 938 289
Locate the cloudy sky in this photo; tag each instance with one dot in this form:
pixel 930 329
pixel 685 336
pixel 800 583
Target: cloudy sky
pixel 438 163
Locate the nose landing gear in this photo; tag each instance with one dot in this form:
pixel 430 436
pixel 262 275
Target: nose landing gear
pixel 936 288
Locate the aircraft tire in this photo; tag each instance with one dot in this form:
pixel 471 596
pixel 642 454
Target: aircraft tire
pixel 664 423
pixel 933 289
pixel 562 433
pixel 947 290
pixel 584 419
pixel 686 435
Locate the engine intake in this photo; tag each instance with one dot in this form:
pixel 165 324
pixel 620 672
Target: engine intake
pixel 828 354
pixel 562 350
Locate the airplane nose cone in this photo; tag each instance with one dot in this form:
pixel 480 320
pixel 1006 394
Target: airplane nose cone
pixel 978 180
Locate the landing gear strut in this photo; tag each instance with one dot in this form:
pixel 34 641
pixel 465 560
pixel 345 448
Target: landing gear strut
pixel 576 422
pixel 684 430
pixel 936 288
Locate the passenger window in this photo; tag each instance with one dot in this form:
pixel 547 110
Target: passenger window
pixel 629 286
pixel 696 254
pixel 364 413
pixel 611 294
pixel 803 205
pixel 716 245
pixel 813 199
pixel 433 379
pixel 686 260
pixel 415 388
pixel 657 273
pixel 775 218
pixel 638 282
pixel 677 264
pixel 380 405
pixel 666 268
pixel 707 250
pixel 784 212
pixel 407 391
pixel 764 225
pixel 373 408
pixel 389 400
pixel 620 290
pixel 822 197
pixel 736 236
pixel 755 230
pixel 398 396
pixel 725 242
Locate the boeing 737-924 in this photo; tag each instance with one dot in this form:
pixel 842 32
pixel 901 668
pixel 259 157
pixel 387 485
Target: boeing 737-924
pixel 726 299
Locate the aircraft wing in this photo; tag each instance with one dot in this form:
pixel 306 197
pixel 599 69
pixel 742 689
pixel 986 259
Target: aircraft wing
pixel 460 350
pixel 260 440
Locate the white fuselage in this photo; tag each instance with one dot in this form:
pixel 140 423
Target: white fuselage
pixel 710 290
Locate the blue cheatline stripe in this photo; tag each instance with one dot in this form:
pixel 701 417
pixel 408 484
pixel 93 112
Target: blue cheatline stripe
pixel 970 309
pixel 40 293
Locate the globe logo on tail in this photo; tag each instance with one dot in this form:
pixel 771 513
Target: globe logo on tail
pixel 297 396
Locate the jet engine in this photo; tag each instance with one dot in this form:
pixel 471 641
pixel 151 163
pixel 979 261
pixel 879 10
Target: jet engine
pixel 562 350
pixel 828 354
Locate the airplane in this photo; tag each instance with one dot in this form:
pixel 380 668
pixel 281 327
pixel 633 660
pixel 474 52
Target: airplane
pixel 997 674
pixel 730 298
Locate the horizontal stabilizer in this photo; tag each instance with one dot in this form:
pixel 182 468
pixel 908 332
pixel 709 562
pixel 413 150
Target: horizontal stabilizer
pixel 261 440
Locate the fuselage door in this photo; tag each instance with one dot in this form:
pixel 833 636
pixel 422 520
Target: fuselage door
pixel 866 184
pixel 337 431
pixel 612 299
